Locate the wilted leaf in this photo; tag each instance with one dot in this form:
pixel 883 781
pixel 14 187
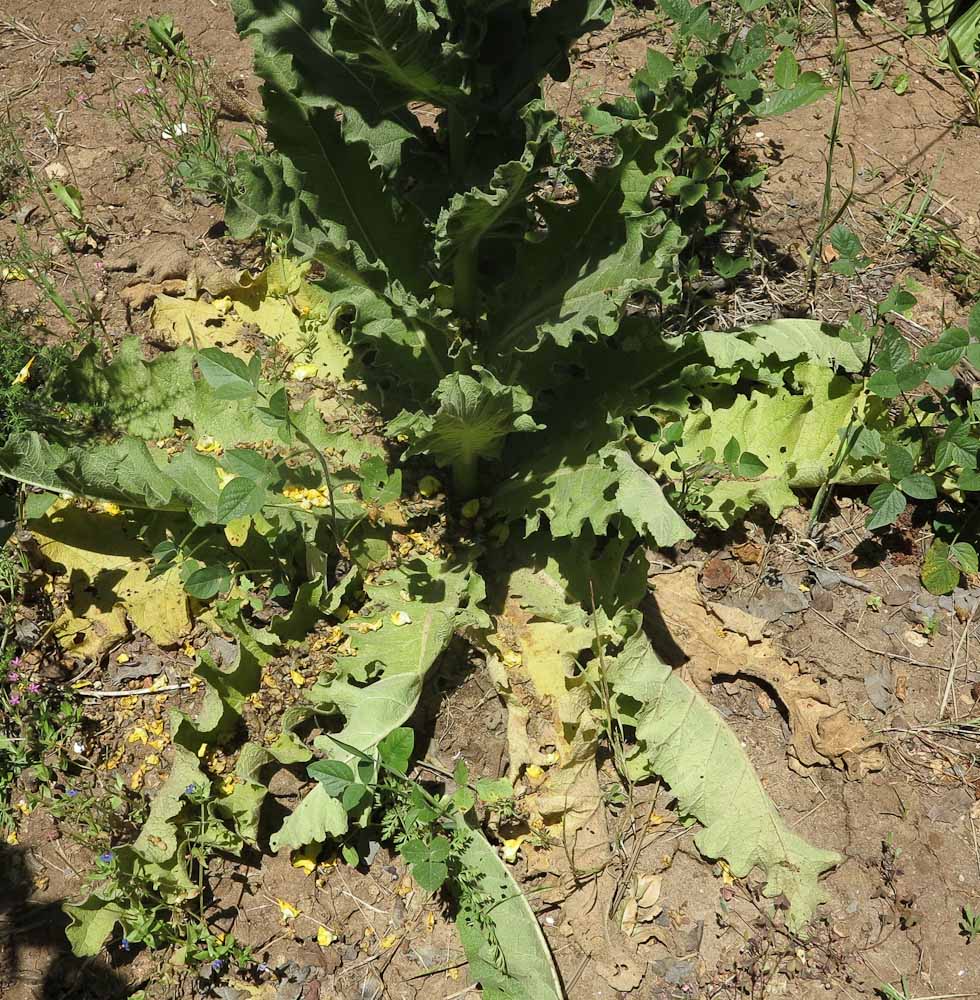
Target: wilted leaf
pixel 685 741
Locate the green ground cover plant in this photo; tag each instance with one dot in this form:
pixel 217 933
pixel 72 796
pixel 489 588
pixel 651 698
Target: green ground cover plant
pixel 530 351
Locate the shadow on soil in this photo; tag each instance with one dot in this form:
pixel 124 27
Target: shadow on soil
pixel 40 928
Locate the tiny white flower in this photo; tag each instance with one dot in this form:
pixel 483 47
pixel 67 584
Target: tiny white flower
pixel 181 128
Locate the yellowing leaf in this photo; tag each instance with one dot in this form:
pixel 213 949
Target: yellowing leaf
pixel 297 678
pixel 236 531
pixel 108 573
pixel 192 321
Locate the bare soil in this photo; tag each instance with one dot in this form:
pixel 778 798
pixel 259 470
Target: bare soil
pixel 908 831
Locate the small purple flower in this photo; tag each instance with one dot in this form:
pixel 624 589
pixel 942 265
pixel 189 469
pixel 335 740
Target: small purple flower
pixel 34 687
pixel 107 856
pixel 71 793
pixel 15 662
pixel 124 944
pixel 218 964
pixel 141 91
pixel 262 967
pixel 13 677
pixel 15 699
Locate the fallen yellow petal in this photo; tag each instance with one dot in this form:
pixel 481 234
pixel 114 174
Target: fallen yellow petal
pixel 511 848
pixel 288 911
pixel 303 372
pixel 24 374
pixel 324 937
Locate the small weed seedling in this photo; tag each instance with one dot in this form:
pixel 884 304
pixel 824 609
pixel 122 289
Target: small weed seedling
pixel 175 111
pixel 970 924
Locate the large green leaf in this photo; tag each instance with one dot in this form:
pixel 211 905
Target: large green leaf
pixel 92 921
pixel 410 616
pixel 682 739
pixel 783 340
pixel 507 953
pixel 401 45
pixel 331 194
pixel 138 397
pixel 294 52
pixel 796 432
pixel 590 488
pixel 596 254
pixel 473 419
pixel 472 215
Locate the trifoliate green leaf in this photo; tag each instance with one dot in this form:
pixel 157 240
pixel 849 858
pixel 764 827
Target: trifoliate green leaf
pixel 886 503
pixel 947 351
pixel 918 486
pixel 940 575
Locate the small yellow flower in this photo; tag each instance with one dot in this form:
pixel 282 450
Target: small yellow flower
pixel 305 859
pixel 207 445
pixel 535 774
pixel 12 837
pixel 401 618
pixel 287 910
pixel 24 374
pixel 224 477
pixel 12 274
pixel 511 847
pixel 23 807
pixel 325 937
pixel 303 372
